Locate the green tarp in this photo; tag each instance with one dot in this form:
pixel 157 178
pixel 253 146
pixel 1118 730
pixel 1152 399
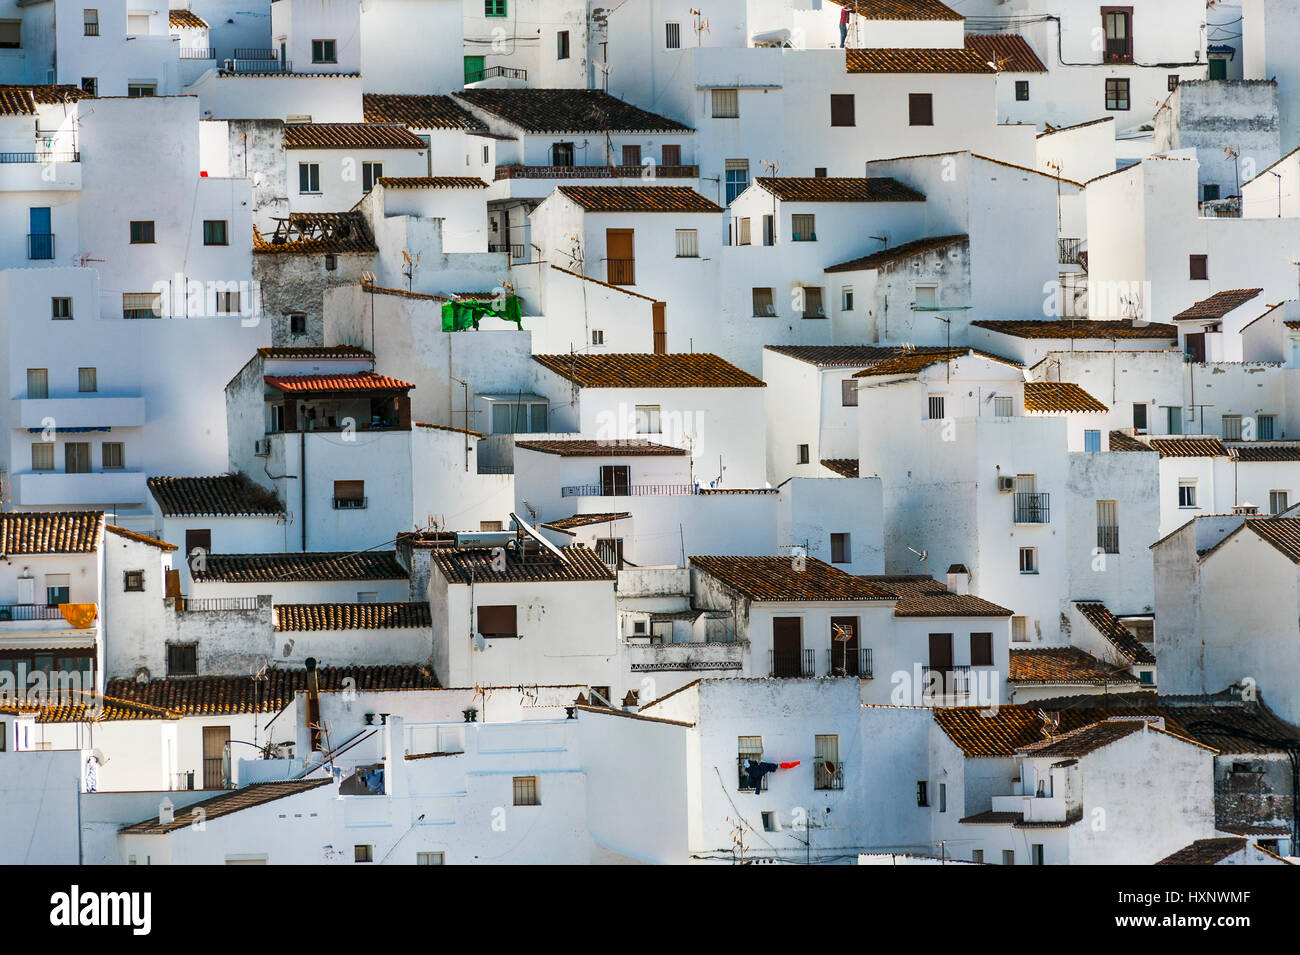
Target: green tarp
pixel 462 314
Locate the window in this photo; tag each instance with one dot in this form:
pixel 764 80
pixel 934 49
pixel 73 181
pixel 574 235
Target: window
pixel 137 24
pixel 1003 406
pixel 90 84
pixel 763 303
pixel 841 551
pixel 526 791
pixel 819 172
pixel 670 155
pixel 827 772
pixel 1091 440
pixel 688 243
pixel 498 621
pixel 936 407
pixel 812 303
pixel 323 51
pixel 631 155
pixel 1173 82
pixel 769 818
pixel 349 495
pixel 494 8
pixel 1218 68
pixel 1264 427
pixel 803 228
pixel 113 454
pixel 846 298
pixel 647 419
pixel 1231 427
pixel 737 175
pixel 1187 493
pixel 182 659
pixel 198 540
pixel 76 457
pixel 920 109
pixel 561 154
pixel 1277 501
pixel 1108 526
pixel 331 262
pixel 371 172
pixel 1209 192
pixel 58 588
pixel 228 303
pixel 726 104
pixel 11 34
pixel 801 454
pixel 308 178
pixel 842 109
pixel 672 36
pixel 133 581
pixel 363 853
pixel 977 856
pixel 1117 23
pixel 562 45
pixel 141 89
pixel 1147 677
pixel 1116 94
pixel 43 456
pixel 297 323
pixel 142 232
pixel 1008 856
pixel 981 649
pixel 751 748
pixel 769 230
pixel 742 231
pixel 1174 420
pixel 90 22
pixel 60 308
pixel 922 793
pixel 1022 91
pixel 1198 267
pixel 518 418
pixel 87 379
pixel 38 383
pixel 214 232
pixel 943 797
pixel 1019 630
pixel 1140 418
pixel 430 858
pixel 1029 560
pixel 849 393
pixel 367 596
pixel 598 336
pixel 1036 853
pixel 141 304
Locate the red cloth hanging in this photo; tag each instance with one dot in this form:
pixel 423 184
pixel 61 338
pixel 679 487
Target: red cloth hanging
pixel 790 765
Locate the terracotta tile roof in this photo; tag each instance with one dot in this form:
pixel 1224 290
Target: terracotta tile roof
pixel 1065 129
pixel 838 189
pixel 320 565
pixel 1010 52
pixel 336 232
pixel 362 381
pixel 220 695
pixel 617 288
pixel 64 707
pixel 991 818
pixel 432 182
pixel 915 60
pixel 1065 665
pixel 1195 446
pixel 1086 739
pixel 640 370
pixel 922 596
pixel 350 136
pixel 358 616
pixel 1110 627
pixel 1219 304
pixel 461 565
pixel 915 360
pixel 639 199
pixel 16 101
pixel 899 252
pixel 222 495
pixel 258 794
pixel 186 18
pixel 418 111
pixel 775 578
pixel 636 447
pixel 1205 851
pixel 1123 441
pixel 1282 532
pixel 844 467
pixel 1265 452
pixel 138 538
pixel 1057 396
pixel 903 10
pixel 835 356
pixel 1079 328
pixel 980 732
pixel 50 532
pixel 585 520
pixel 309 352
pixel 448 427
pixel 15 98
pixel 568 111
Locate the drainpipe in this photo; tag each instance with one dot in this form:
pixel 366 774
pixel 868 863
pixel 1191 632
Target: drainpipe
pixel 302 485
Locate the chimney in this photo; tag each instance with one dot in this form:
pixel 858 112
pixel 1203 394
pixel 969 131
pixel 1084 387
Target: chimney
pixel 630 702
pixel 959 579
pixel 166 811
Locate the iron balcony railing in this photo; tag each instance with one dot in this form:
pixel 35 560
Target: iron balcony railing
pixel 516 252
pixel 828 774
pixel 1068 251
pixel 597 172
pixel 945 681
pixel 349 503
pixel 183 780
pixel 495 72
pixel 255 53
pixel 30 612
pixel 620 271
pixel 1118 50
pixel 40 157
pixel 198 53
pixel 1108 539
pixel 215 604
pixel 40 245
pixel 213 777
pixel 791 663
pixel 625 490
pixel 1032 508
pixel 91 29
pixel 847 661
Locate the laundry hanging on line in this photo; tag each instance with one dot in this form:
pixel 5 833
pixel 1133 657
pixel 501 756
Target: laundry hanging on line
pixel 460 314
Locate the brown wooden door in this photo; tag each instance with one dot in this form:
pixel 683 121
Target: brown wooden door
pixel 787 646
pixel 670 155
pixel 844 653
pixel 941 651
pixel 614 479
pixel 660 318
pixel 215 739
pixel 620 264
pixel 197 538
pixel 1195 346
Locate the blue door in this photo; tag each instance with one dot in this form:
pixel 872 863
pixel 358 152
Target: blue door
pixel 40 235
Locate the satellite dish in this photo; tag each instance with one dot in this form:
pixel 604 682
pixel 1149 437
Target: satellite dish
pixel 479 642
pixel 99 756
pixel 528 529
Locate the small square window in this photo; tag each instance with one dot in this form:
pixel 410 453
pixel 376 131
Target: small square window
pixel 133 581
pixel 1029 560
pixel 1092 440
pixel 1004 406
pixel 1173 82
pixel 849 393
pixel 525 791
pixel 770 823
pixel 363 853
pixel 1117 94
pixel 87 379
pixel 598 336
pixel 430 858
pixel 323 51
pixel 1022 91
pixel 841 552
pixel 672 36
pixel 802 454
pixel 61 308
pixel 297 323
pixel 182 659
pixel 1277 501
pixel 1187 493
pixel 726 104
pixel 803 228
pixel 935 407
pixel 920 109
pixel 842 113
pixel 308 178
pixel 90 84
pixel 331 262
pixel 214 232
pixel 43 456
pixel 763 305
pixel 688 244
pixel 1198 267
pixel 114 455
pixel 494 8
pixel 142 232
pixel 136 90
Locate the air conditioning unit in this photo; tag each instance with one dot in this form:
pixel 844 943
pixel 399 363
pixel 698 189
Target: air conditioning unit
pixel 262 447
pixel 1006 484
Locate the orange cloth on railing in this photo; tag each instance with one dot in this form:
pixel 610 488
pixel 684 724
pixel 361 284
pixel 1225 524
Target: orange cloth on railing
pixel 80 616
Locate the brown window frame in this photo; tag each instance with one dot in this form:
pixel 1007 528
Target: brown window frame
pixel 920 109
pixel 499 621
pixel 984 643
pixel 1120 82
pixel 1127 55
pixel 1198 264
pixel 843 110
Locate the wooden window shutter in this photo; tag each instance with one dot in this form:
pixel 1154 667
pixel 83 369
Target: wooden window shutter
pixel 498 621
pixel 920 109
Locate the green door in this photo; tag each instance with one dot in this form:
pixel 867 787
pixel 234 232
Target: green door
pixel 473 68
pixel 1218 69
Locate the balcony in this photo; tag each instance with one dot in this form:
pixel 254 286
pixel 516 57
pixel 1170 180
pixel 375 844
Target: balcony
pixel 1119 50
pixel 791 663
pixel 945 681
pixel 496 73
pixel 620 271
pixel 1108 539
pixel 59 488
pixel 847 661
pixel 1032 508
pixel 41 619
pixel 350 503
pixel 828 775
pixel 687 656
pixel 220 604
pixel 85 411
pixel 10 612
pixel 597 172
pixel 1067 251
pixel 517 253
pixel 625 490
pixel 198 53
pixel 40 245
